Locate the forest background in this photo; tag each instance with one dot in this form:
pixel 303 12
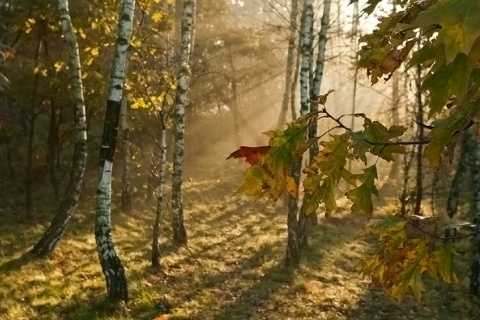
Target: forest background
pixel 188 83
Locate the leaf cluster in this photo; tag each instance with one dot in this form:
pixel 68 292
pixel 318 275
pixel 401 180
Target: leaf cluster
pixel 404 254
pixel 447 38
pixel 272 173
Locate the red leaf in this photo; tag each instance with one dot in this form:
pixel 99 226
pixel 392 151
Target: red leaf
pixel 252 155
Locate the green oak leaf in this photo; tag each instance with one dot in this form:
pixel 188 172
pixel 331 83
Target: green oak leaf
pixel 388 224
pixel 446 130
pixel 444 258
pixel 446 81
pixel 411 275
pixel 376 133
pixel 428 53
pixel 371 5
pixel 361 196
pixel 324 193
pixel 287 145
pixel 254 185
pixel 459 23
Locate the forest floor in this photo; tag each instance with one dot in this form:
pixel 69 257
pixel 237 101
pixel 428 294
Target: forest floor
pixel 234 267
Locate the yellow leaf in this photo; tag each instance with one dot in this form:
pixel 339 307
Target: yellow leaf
pixel 82 33
pixel 291 186
pixel 58 66
pixel 94 52
pixel 157 16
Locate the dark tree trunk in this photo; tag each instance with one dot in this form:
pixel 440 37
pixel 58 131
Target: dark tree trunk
pixel 53 148
pixel 292 37
pixel 127 162
pixel 463 166
pixel 475 264
pixel 293 94
pixel 419 180
pixel 71 198
pixel 32 119
pixel 293 244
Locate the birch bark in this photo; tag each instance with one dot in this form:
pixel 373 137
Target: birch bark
pixel 305 223
pixel 112 266
pixel 179 232
pixel 293 255
pixel 162 160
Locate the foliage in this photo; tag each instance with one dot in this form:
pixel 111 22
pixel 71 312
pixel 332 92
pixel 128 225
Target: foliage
pixel 270 173
pixel 446 39
pixel 406 251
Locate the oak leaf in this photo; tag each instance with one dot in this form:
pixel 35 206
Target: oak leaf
pixel 252 155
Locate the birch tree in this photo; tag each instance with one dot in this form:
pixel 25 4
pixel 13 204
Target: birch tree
pixel 179 232
pixel 310 83
pixel 70 201
pixel 306 37
pixel 162 165
pixel 314 91
pixel 112 266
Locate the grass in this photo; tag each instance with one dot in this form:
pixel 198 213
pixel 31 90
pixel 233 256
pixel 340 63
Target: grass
pixel 235 271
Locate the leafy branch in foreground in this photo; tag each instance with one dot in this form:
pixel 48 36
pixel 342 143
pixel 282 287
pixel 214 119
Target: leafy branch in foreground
pixel 448 39
pixel 443 37
pixel 270 170
pixel 406 251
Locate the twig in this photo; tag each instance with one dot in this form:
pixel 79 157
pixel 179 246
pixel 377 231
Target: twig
pixel 397 143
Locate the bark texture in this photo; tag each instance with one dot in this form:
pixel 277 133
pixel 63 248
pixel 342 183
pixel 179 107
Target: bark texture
pixel 419 179
pixel 292 37
pixel 467 147
pixel 70 200
pixel 178 228
pixel 475 265
pixel 162 160
pixel 127 160
pixel 112 267
pixel 306 222
pixel 293 239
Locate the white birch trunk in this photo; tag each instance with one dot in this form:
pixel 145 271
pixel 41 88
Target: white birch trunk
pixel 70 201
pixel 112 267
pixel 305 223
pixel 306 52
pixel 293 247
pixel 162 165
pixel 179 232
